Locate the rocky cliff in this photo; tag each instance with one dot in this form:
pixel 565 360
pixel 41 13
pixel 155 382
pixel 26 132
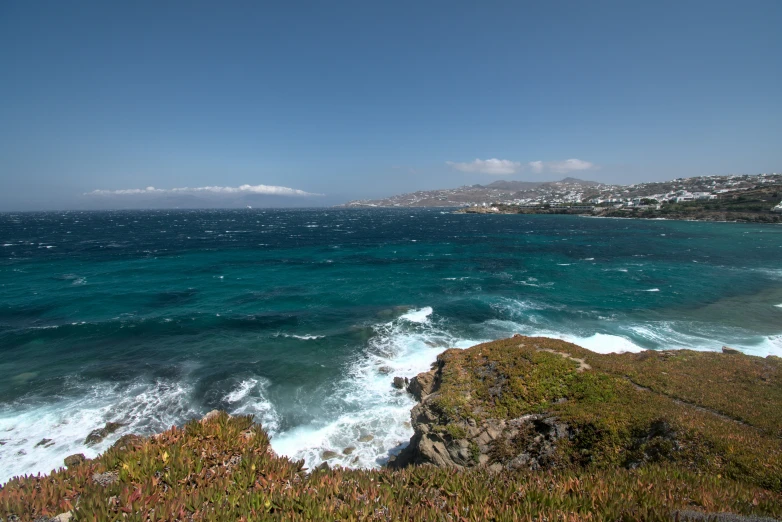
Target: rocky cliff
pixel 538 403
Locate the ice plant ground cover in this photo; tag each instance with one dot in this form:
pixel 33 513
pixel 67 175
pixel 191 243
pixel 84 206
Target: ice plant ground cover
pixel 720 451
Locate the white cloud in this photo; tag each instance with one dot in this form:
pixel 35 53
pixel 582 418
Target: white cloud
pixel 489 166
pixel 569 165
pixel 499 166
pixel 270 190
pixel 537 166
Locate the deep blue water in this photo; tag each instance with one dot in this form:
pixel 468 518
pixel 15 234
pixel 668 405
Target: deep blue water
pixel 151 318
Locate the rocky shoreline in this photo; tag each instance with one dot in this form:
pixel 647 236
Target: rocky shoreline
pixel 526 428
pixel 713 216
pixel 529 403
pixel 637 213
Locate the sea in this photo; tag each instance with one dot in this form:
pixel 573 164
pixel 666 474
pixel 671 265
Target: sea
pixel 302 318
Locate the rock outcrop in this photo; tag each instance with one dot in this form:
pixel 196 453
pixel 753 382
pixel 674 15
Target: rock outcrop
pixel 532 403
pixel 528 441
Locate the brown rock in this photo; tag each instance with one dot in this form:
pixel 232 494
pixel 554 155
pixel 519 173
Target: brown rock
pixel 99 434
pixel 74 460
pixel 349 450
pixel 422 385
pixel 385 370
pixel 366 438
pixel 398 383
pixel 328 455
pixel 730 351
pixel 128 441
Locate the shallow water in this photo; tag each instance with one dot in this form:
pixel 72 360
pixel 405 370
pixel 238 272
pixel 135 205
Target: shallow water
pixel 152 318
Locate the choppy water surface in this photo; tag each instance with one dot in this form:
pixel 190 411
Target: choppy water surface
pixel 153 318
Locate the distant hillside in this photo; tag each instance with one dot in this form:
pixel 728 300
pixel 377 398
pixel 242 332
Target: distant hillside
pixel 573 190
pixel 570 189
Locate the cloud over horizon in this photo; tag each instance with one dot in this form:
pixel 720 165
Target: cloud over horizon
pixel 492 166
pixel 266 190
pixel 496 166
pixel 569 165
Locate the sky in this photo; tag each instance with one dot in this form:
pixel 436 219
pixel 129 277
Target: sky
pixel 316 103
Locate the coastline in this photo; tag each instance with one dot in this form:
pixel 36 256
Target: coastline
pixel 770 218
pixel 526 414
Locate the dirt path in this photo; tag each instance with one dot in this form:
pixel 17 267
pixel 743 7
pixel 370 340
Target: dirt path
pixel 582 364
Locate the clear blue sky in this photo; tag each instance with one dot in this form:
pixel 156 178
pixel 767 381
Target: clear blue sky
pixel 372 98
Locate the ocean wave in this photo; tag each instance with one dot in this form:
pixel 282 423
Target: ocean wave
pixel 672 335
pixel 367 420
pixel 305 337
pixel 143 407
pixel 418 316
pixel 249 398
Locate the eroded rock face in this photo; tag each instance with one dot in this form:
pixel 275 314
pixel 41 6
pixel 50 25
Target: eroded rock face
pixel 525 442
pixel 423 384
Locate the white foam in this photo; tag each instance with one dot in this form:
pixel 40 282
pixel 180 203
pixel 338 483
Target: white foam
pixel 651 290
pixel 365 404
pixel 604 343
pixel 418 316
pixel 306 337
pixel 667 335
pixel 778 306
pixel 249 398
pixel 142 407
pixel 244 388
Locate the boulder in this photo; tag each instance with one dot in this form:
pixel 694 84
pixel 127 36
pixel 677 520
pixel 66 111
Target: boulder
pixel 74 460
pixel 323 466
pixel 730 351
pixel 398 383
pixel 366 438
pixel 328 455
pixel 422 384
pixel 45 442
pixel 385 370
pixel 128 441
pixel 348 450
pixel 99 434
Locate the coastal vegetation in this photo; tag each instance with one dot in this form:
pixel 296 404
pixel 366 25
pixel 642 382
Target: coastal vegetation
pixel 535 428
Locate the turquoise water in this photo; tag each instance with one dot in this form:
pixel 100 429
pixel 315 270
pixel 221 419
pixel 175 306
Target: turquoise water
pixel 152 318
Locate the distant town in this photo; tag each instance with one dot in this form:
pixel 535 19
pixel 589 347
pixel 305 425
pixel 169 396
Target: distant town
pixel 580 195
